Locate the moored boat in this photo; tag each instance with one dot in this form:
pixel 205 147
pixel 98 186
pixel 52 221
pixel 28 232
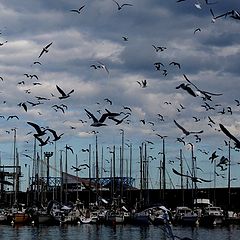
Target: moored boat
pixel 185 216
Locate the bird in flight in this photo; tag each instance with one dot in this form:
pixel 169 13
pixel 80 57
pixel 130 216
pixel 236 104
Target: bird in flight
pixel 77 10
pixel 186 132
pixel 207 95
pixel 56 137
pixel 175 64
pixel 121 6
pixel 143 83
pixel 63 94
pixel 45 49
pixel 38 129
pixel 187 88
pixel 194 179
pixel 99 122
pixel 197 30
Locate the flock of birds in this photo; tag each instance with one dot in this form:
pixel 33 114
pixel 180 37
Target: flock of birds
pixel 46 135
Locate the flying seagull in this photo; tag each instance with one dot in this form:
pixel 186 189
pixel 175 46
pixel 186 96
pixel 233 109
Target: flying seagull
pixel 207 95
pixel 45 49
pixel 194 179
pixel 121 6
pixel 197 30
pixel 56 137
pixel 100 122
pixel 185 131
pixel 187 88
pixel 175 64
pixel 77 10
pixel 63 94
pixel 227 133
pixel 38 129
pixel 143 83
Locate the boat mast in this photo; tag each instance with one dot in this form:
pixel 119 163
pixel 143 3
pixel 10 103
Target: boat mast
pixel 89 172
pixel 181 169
pixel 229 174
pixel 14 164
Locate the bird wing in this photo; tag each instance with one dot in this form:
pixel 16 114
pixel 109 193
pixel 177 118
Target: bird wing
pixel 60 91
pixel 91 115
pixel 41 53
pixel 71 92
pixel 180 174
pixel 204 180
pixel 104 117
pixel 228 133
pixel 179 126
pixel 37 128
pixel 48 45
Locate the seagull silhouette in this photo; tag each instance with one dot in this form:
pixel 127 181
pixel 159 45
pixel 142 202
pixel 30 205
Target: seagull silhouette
pixel 194 179
pixel 77 10
pixel 38 129
pixel 100 122
pixel 197 30
pixel 207 95
pixel 185 131
pixel 45 49
pixel 56 137
pixel 121 6
pixel 63 94
pixel 187 88
pixel 175 64
pixel 213 156
pixel 143 83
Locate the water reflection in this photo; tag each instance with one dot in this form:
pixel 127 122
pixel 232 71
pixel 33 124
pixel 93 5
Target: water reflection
pixel 119 232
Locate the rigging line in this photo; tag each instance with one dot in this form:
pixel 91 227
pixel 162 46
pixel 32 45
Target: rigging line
pixel 188 167
pixel 171 182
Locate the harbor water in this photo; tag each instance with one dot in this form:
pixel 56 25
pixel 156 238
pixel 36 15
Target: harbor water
pixel 118 232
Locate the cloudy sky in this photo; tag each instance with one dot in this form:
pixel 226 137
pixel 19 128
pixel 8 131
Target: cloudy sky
pixel 124 42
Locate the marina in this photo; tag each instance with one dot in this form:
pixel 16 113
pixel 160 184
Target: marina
pixel 120 119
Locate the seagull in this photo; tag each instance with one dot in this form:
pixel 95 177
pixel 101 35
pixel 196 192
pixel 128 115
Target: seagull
pixel 143 83
pixel 187 88
pixel 117 120
pixel 213 156
pixel 175 64
pixel 64 95
pixel 100 122
pixel 77 169
pixel 56 137
pixel 38 129
pixel 125 38
pixel 13 116
pixel 121 6
pixel 103 66
pixel 69 148
pixel 194 179
pixel 56 107
pixel 77 10
pixel 159 48
pixel 108 100
pixel 227 133
pixel 207 95
pixel 45 49
pixel 197 30
pixel 185 131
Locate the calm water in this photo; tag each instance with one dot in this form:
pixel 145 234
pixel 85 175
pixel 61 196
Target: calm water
pixel 127 232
